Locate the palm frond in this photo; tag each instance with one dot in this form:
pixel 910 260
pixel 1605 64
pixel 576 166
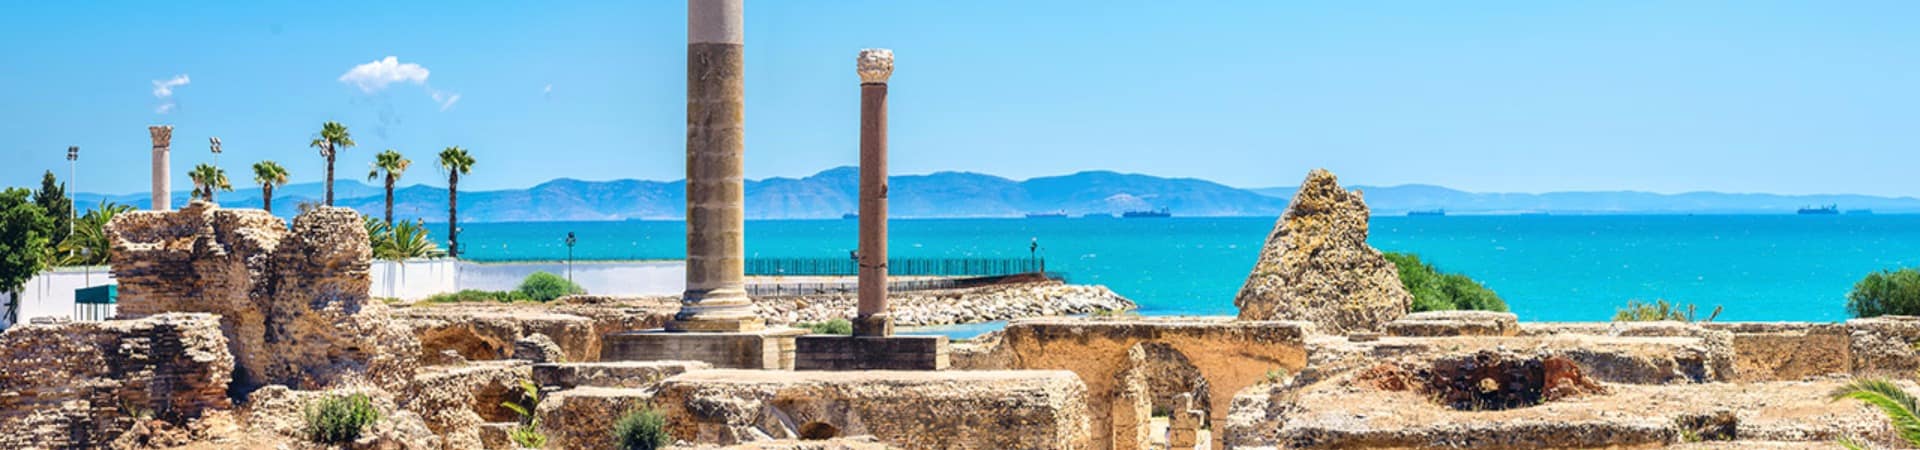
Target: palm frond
pixel 1893 402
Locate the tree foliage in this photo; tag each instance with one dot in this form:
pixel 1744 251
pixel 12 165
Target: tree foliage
pixel 23 243
pixel 1434 290
pixel 207 179
pixel 269 175
pixel 1893 402
pixel 544 287
pixel 1886 293
pixel 400 241
pixel 52 199
pixel 88 246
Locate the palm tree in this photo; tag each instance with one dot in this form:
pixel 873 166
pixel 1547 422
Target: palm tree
pixel 1896 404
pixel 333 138
pixel 270 175
pixel 207 179
pixel 455 161
pixel 88 246
pixel 395 166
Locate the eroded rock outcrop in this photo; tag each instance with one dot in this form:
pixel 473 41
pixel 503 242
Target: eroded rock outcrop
pixel 1317 266
pixel 294 304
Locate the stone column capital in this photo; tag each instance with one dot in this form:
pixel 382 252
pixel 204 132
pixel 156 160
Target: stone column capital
pixel 875 65
pixel 162 135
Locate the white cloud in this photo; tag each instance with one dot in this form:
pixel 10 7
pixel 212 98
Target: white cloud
pixel 374 76
pixel 445 99
pixel 163 90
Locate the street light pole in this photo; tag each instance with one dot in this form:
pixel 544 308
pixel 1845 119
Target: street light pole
pixel 73 155
pixel 214 142
pixel 570 241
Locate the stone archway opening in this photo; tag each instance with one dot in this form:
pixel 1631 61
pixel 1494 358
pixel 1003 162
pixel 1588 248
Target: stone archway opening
pixel 818 431
pixel 1170 397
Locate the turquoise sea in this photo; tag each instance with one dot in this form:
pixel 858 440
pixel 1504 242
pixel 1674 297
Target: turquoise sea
pixel 1548 268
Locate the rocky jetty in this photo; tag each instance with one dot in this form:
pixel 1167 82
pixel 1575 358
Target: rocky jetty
pixel 954 306
pixel 1316 265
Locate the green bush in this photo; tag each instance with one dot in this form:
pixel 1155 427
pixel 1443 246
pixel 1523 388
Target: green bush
pixel 339 419
pixel 1434 290
pixel 1637 311
pixel 544 287
pixel 1886 293
pixel 527 434
pixel 835 326
pixel 641 429
pixel 475 295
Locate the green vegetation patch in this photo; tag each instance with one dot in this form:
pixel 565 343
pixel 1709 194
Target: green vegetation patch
pixel 339 419
pixel 1886 293
pixel 544 287
pixel 1434 290
pixel 640 429
pixel 836 326
pixel 1637 311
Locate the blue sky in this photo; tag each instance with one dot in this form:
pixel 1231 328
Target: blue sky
pixel 1738 96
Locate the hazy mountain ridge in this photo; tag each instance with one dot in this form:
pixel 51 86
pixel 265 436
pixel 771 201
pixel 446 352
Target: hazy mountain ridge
pixel 833 192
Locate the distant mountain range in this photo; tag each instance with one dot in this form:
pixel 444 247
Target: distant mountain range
pixel 834 192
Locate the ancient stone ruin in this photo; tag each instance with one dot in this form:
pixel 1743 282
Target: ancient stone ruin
pixel 1317 266
pixel 86 384
pixel 294 304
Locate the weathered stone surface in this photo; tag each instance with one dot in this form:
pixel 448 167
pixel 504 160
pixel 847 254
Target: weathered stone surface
pixel 620 374
pixel 943 410
pixel 1884 346
pixel 294 304
pixel 85 384
pixel 454 401
pixel 1788 351
pixel 1317 266
pixel 1111 357
pixel 538 348
pixel 952 306
pixel 583 417
pixel 1455 323
pixel 849 443
pixel 769 348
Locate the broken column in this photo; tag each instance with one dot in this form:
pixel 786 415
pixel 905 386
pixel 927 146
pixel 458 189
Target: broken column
pixel 716 323
pixel 162 166
pixel 875 65
pixel 873 345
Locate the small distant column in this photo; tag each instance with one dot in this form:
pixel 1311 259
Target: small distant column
pixel 162 166
pixel 875 65
pixel 716 296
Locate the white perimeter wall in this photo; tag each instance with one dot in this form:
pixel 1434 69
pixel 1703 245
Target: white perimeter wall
pixel 50 294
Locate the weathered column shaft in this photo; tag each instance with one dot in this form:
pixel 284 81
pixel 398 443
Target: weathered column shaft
pixel 872 319
pixel 162 136
pixel 716 298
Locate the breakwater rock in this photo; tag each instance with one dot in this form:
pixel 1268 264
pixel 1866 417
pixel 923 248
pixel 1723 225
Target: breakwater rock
pixel 953 306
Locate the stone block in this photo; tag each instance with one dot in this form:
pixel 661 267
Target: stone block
pixel 914 410
pixel 1788 351
pixel 582 418
pixel 454 401
pixel 765 349
pixel 622 374
pixel 823 352
pixel 1455 323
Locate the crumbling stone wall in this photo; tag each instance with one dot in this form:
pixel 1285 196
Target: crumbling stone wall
pixel 1109 356
pixel 293 303
pixel 83 384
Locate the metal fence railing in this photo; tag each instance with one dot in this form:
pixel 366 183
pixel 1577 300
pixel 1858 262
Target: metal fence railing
pixel 780 289
pixel 935 267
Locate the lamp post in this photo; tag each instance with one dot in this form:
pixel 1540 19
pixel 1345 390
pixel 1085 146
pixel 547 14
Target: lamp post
pixel 214 143
pixel 86 253
pixel 73 156
pixel 570 241
pixel 1033 253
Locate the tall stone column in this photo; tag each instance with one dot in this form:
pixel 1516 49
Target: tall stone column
pixel 875 65
pixel 162 166
pixel 716 297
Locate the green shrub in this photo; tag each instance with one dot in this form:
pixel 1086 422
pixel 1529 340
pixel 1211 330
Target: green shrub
pixel 1637 311
pixel 835 326
pixel 1113 314
pixel 527 434
pixel 1886 293
pixel 1434 290
pixel 544 287
pixel 339 419
pixel 475 295
pixel 640 429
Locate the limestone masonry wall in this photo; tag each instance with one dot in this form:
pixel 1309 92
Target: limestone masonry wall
pixel 84 384
pixel 951 306
pixel 293 303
